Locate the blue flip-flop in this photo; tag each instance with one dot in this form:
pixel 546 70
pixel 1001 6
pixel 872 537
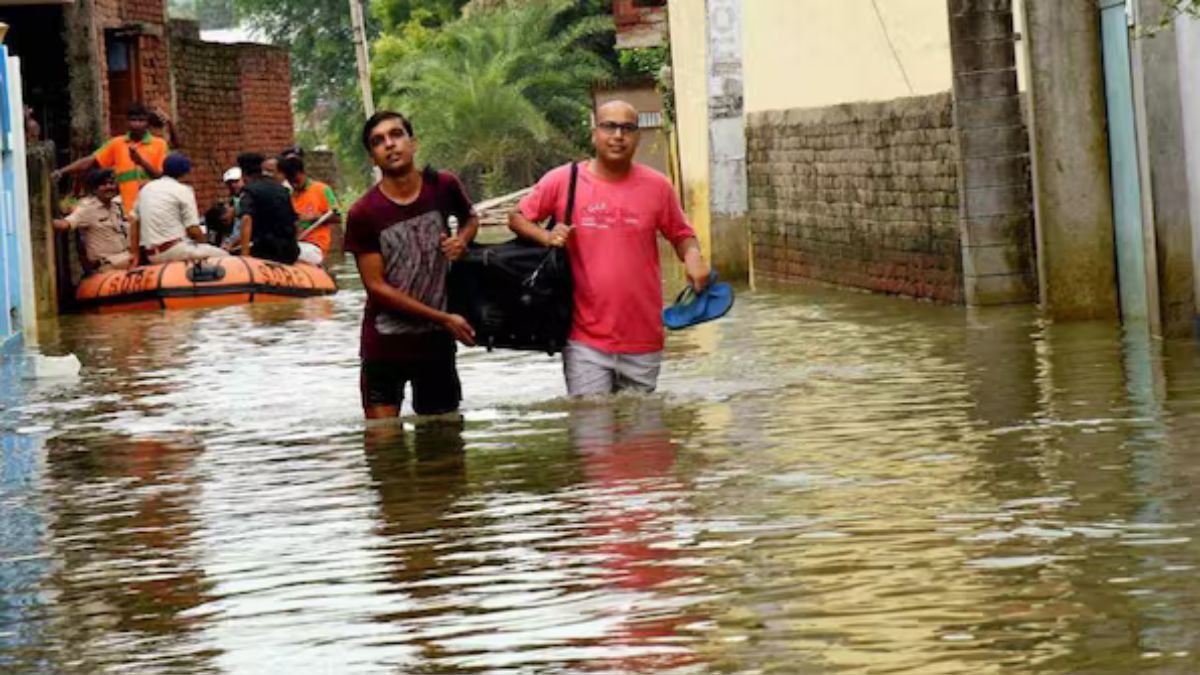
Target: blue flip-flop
pixel 691 308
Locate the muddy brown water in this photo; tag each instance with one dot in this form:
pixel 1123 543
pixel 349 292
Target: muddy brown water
pixel 827 482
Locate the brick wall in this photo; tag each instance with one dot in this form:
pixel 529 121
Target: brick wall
pixel 229 99
pixel 154 62
pixel 266 87
pixel 208 107
pixel 155 72
pixel 144 11
pixel 108 15
pixel 862 195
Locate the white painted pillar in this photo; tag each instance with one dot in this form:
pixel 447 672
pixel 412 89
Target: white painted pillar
pixel 727 138
pixel 16 111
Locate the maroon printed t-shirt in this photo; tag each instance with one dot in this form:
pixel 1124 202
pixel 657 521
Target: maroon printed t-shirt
pixel 408 236
pixel 614 252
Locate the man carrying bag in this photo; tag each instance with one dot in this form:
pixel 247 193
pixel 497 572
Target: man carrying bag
pixel 616 336
pixel 517 295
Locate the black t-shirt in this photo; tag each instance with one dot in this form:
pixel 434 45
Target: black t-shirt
pixel 408 236
pixel 270 207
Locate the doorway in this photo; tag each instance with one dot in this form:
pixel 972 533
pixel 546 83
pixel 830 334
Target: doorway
pixel 124 77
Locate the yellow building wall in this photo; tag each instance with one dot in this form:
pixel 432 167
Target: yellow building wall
pixel 815 53
pixel 804 54
pixel 688 52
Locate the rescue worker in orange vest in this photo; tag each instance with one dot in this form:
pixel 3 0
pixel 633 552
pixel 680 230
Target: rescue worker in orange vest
pixel 314 202
pixel 135 157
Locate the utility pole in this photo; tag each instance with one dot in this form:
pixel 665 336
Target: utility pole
pixel 360 56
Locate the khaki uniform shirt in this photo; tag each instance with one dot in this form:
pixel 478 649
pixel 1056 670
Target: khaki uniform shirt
pixel 104 230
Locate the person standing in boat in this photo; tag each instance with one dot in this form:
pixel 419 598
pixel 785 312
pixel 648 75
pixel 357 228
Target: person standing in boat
pixel 616 337
pixel 136 157
pixel 311 199
pixel 265 214
pixel 399 235
pixel 99 219
pixel 167 218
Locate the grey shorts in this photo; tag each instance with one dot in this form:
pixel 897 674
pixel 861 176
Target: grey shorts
pixel 591 372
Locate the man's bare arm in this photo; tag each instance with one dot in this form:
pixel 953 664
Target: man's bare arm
pixel 694 264
pixel 520 225
pixel 247 225
pixel 370 270
pixel 81 164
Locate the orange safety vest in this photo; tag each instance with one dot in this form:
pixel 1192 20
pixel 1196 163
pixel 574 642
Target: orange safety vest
pixel 311 200
pixel 131 176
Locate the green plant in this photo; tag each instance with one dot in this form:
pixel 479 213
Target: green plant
pixel 498 96
pixel 643 63
pixel 650 64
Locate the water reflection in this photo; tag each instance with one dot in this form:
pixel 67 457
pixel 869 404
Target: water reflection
pixel 127 575
pixel 829 482
pixel 637 499
pixel 23 563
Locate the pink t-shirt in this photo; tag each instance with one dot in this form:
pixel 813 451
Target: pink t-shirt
pixel 614 252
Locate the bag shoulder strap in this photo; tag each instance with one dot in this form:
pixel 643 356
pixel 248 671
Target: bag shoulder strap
pixel 571 194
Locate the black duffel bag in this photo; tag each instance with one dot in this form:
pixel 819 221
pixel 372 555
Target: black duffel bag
pixel 518 294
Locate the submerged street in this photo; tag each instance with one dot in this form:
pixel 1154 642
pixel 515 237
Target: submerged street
pixel 827 482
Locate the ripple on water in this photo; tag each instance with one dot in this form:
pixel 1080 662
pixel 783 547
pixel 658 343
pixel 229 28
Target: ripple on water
pixel 828 482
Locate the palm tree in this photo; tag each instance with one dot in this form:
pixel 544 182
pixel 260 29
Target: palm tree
pixel 497 96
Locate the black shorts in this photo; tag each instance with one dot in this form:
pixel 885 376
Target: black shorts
pixel 435 384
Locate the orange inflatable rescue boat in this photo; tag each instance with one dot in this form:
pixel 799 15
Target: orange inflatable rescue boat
pixel 206 283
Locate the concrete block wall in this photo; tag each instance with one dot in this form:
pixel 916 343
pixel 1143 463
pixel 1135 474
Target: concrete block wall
pixel 997 198
pixel 322 165
pixel 863 195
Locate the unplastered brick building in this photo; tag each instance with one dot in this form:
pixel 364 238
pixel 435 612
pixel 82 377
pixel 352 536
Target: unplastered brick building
pixel 85 61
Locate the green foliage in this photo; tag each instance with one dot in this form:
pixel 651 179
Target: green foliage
pixel 498 96
pixel 650 64
pixel 426 59
pixel 324 80
pixel 643 64
pixel 396 14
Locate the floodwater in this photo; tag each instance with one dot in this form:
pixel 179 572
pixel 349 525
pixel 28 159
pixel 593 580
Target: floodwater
pixel 828 482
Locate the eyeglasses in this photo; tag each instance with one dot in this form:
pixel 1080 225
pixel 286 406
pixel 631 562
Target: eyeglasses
pixel 614 127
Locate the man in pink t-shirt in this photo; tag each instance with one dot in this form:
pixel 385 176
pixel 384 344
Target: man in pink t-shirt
pixel 616 338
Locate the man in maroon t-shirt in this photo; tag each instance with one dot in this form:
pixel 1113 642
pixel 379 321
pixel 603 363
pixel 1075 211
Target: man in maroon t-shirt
pixel 400 238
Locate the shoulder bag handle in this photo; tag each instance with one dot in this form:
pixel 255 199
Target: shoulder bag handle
pixel 550 253
pixel 567 217
pixel 571 194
